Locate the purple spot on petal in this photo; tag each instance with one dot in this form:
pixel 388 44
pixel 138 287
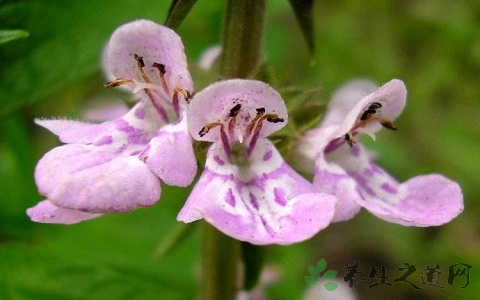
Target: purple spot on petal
pixel 279 195
pixel 104 140
pixel 140 113
pixel 355 151
pixel 267 155
pixel 368 172
pixel 254 201
pixel 229 198
pixel 135 136
pixel 218 160
pixel 363 183
pixel 388 188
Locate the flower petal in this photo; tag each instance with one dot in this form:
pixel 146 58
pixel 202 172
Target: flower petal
pixel 170 155
pixel 428 200
pixel 82 178
pixel 46 212
pixel 262 204
pixel 392 96
pixel 131 132
pixel 345 98
pixel 156 44
pixel 214 103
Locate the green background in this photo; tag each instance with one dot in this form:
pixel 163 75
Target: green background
pixel 433 46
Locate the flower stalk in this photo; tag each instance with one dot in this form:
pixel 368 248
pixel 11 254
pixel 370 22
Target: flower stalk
pixel 242 37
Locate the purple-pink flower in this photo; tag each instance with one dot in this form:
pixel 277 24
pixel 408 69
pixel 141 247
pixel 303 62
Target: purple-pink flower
pixel 115 166
pixel 247 190
pixel 343 167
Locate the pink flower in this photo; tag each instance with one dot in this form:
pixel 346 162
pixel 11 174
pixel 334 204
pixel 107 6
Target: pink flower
pixel 115 166
pixel 247 190
pixel 344 168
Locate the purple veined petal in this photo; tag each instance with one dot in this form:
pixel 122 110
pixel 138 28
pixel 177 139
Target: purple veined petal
pixel 428 200
pixel 332 179
pixel 255 204
pixel 80 177
pixel 312 144
pixel 155 44
pixel 129 133
pixel 46 212
pixel 215 102
pixel 392 96
pixel 345 98
pixel 60 126
pixel 170 155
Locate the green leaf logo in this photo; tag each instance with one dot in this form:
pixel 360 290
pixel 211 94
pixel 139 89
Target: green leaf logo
pixel 316 275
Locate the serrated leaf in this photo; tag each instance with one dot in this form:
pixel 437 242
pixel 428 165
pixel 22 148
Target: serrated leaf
pixel 11 35
pixel 321 265
pixel 178 11
pixel 303 10
pixel 329 275
pixel 311 281
pixel 330 286
pixel 313 271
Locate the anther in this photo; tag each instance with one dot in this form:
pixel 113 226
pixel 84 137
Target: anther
pixel 388 124
pixel 234 111
pixel 260 111
pixel 350 139
pixel 117 82
pixel 275 119
pixel 139 60
pixel 161 75
pixel 160 67
pixel 205 129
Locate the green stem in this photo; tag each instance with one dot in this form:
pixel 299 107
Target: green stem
pixel 242 37
pixel 220 261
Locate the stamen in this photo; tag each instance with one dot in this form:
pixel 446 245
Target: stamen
pixel 117 82
pixel 161 75
pixel 205 129
pixel 186 94
pixel 368 116
pixel 140 62
pixel 387 124
pixel 260 113
pixel 233 121
pixel 273 118
pixel 140 66
pixel 223 136
pixel 350 139
pixel 235 110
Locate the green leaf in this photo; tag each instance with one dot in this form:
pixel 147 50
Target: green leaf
pixel 330 286
pixel 172 240
pixel 321 265
pixel 178 11
pixel 64 53
pixel 303 10
pixel 311 281
pixel 329 275
pixel 312 271
pixel 11 35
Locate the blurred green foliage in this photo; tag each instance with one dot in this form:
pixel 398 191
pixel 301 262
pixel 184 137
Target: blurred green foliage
pixel 434 46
